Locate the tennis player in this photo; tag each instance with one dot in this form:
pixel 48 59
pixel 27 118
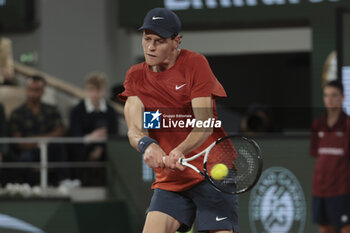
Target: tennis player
pixel 173 78
pixel 330 145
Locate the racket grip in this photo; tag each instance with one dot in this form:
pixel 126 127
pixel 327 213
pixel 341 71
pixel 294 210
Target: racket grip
pixel 180 160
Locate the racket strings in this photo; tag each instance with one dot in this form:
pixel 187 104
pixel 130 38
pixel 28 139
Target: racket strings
pixel 240 157
pixel 247 163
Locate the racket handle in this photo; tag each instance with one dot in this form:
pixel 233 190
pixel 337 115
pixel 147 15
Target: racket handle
pixel 180 160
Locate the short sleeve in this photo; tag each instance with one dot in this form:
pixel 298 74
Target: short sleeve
pixel 129 86
pixel 314 140
pixel 204 83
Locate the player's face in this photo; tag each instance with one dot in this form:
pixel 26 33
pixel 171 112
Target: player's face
pixel 34 90
pixel 332 97
pixel 157 50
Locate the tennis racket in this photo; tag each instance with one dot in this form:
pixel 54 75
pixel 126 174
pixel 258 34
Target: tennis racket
pixel 243 158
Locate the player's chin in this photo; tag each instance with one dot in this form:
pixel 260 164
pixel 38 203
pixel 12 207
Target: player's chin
pixel 152 62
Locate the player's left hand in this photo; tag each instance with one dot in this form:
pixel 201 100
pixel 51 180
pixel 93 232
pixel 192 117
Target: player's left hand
pixel 172 161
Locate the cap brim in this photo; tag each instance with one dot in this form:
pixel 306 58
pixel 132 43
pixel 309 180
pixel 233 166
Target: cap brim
pixel 158 30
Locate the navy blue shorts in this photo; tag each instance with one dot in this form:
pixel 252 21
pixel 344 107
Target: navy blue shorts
pixel 333 211
pixel 212 210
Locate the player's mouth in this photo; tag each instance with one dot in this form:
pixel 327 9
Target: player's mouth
pixel 151 55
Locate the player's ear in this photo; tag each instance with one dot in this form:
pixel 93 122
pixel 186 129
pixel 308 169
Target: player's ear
pixel 177 41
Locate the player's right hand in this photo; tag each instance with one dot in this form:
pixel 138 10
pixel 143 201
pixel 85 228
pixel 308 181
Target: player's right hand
pixel 153 156
pixel 172 161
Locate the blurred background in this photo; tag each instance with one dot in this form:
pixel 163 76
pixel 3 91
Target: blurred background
pixel 271 56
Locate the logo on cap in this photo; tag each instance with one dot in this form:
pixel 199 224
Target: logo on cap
pixel 155 18
pixel 162 21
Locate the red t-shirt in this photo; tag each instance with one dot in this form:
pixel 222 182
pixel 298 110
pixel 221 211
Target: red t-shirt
pixel 172 92
pixel 331 148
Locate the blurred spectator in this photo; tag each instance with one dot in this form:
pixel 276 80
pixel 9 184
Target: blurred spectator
pixel 2 131
pixel 329 144
pixel 6 60
pixel 2 146
pixel 5 174
pixel 93 118
pixel 37 119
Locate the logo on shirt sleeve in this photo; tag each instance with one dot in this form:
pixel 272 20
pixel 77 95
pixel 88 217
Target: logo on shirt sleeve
pixel 151 120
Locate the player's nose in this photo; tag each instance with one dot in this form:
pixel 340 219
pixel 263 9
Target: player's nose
pixel 151 46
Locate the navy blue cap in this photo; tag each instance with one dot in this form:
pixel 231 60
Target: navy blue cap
pixel 162 21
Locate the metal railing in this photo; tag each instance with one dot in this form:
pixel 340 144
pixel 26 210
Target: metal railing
pixel 43 143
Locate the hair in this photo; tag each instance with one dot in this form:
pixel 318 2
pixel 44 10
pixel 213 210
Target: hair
pixel 99 80
pixel 37 78
pixel 337 84
pixel 175 35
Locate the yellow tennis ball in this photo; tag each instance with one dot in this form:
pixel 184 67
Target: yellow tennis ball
pixel 219 171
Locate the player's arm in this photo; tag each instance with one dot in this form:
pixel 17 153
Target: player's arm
pixel 203 110
pixel 153 153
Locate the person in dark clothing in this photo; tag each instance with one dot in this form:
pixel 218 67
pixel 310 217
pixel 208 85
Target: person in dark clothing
pixel 2 131
pixel 37 119
pixel 93 118
pixel 5 174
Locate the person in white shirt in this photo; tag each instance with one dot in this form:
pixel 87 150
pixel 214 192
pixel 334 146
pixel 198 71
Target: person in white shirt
pixel 94 118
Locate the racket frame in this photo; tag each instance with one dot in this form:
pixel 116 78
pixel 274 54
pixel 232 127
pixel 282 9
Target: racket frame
pixel 184 162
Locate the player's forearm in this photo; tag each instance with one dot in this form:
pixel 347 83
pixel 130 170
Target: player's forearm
pixel 195 139
pixel 202 110
pixel 134 136
pixel 133 113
